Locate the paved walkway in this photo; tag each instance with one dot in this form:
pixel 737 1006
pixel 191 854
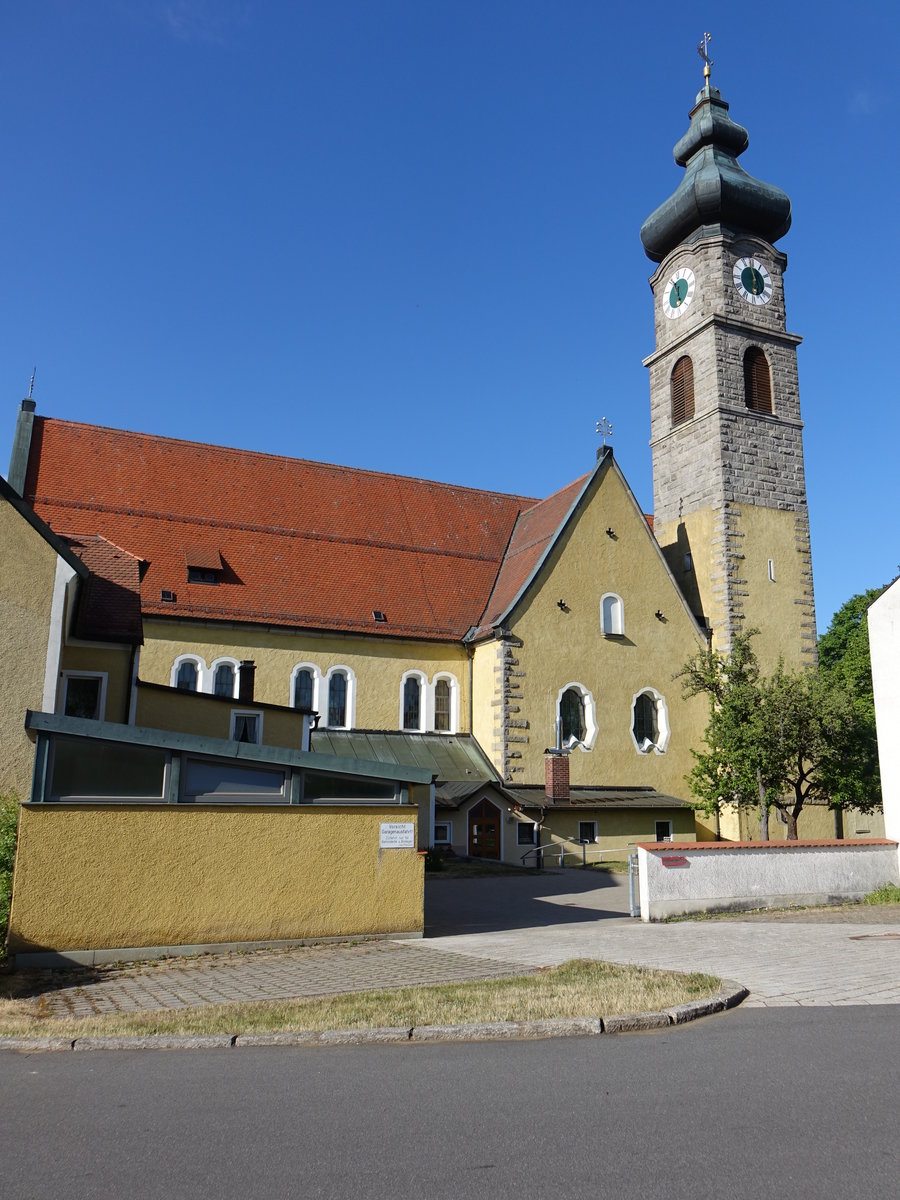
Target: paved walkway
pixel 515 925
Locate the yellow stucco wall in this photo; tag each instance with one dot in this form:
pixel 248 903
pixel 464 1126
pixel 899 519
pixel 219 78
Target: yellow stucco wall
pixel 27 574
pixel 378 663
pixel 485 691
pixel 103 876
pixel 208 716
pixel 770 607
pixel 561 647
pixel 115 662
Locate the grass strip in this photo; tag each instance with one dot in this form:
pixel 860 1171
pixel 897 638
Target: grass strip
pixel 579 988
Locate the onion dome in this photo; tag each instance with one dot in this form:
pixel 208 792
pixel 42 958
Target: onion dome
pixel 715 190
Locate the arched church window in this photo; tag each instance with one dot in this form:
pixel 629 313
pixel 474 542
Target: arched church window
pixel 682 391
pixel 649 722
pixel 186 679
pixel 337 700
pixel 224 679
pixel 571 717
pixel 612 615
pixel 412 703
pixel 442 706
pixel 303 688
pixel 757 381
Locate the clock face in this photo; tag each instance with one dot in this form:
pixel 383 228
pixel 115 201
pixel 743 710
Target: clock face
pixel 752 280
pixel 679 292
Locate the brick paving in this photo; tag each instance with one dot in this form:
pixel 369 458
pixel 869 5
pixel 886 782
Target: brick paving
pixel 804 958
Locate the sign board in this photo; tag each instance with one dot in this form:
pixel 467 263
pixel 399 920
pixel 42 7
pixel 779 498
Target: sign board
pixel 674 860
pixel 398 835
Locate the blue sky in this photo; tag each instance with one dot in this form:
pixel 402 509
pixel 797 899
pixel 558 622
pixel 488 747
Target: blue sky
pixel 404 234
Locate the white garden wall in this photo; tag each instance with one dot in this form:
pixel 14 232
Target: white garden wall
pixel 688 877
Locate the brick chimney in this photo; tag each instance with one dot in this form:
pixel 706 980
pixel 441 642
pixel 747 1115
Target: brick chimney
pixel 246 680
pixel 556 775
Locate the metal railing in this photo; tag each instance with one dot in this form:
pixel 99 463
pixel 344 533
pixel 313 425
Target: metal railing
pixel 559 850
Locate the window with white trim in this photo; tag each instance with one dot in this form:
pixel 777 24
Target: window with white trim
pixel 525 833
pixel 576 717
pixel 445 703
pixel 443 833
pixel 612 615
pixel 412 702
pixel 340 698
pixel 225 677
pixel 305 681
pixel 84 694
pixel 246 726
pixel 188 673
pixel 587 831
pixel 649 721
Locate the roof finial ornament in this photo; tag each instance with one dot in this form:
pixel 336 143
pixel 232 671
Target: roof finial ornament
pixel 703 51
pixel 31 385
pixel 604 429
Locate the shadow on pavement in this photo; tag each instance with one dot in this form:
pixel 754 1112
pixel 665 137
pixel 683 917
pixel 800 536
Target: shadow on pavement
pixel 493 903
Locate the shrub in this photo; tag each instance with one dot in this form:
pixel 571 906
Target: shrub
pixel 9 823
pixel 888 893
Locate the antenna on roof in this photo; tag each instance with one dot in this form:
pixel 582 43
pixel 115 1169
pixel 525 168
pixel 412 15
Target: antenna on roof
pixel 31 385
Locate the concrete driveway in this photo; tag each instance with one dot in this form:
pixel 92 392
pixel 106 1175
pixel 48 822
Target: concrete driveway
pixel 819 957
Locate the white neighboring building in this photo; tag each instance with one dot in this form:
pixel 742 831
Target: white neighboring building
pixel 884 642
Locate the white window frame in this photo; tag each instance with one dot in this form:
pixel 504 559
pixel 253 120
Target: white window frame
pixel 590 716
pixel 350 711
pixel 451 679
pixel 613 623
pixel 662 721
pixel 247 712
pixel 316 683
pixel 423 701
pixel 669 837
pixel 529 825
pixel 103 676
pixel 202 671
pixel 225 661
pixel 448 840
pixel 593 838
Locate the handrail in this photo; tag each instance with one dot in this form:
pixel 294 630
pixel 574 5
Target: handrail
pixel 561 849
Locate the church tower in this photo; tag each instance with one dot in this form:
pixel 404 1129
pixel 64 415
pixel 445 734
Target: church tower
pixel 726 435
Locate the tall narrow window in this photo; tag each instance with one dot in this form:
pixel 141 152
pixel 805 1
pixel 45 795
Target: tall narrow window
pixel 337 700
pixel 186 679
pixel 303 689
pixel 612 615
pixel 412 703
pixel 757 381
pixel 682 391
pixel 649 722
pixel 571 717
pixel 223 680
pixel 442 706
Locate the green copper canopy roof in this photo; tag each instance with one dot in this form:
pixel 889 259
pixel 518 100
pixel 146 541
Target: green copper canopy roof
pixel 715 190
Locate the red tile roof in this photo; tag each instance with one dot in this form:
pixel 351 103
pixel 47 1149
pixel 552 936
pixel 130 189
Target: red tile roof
pixel 110 607
pixel 302 544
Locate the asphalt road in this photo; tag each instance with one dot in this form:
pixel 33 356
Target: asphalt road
pixel 757 1103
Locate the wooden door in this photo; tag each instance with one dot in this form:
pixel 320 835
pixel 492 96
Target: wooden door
pixel 484 830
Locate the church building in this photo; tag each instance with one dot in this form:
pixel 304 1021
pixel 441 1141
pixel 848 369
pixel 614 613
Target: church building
pixel 524 650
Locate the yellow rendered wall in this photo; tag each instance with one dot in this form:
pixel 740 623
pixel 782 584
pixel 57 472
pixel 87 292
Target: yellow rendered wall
pixel 208 716
pixel 27 574
pixel 103 876
pixel 115 661
pixel 378 663
pixel 485 691
pixel 561 647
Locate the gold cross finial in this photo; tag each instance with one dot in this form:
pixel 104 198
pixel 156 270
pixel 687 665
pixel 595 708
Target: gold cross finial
pixel 703 51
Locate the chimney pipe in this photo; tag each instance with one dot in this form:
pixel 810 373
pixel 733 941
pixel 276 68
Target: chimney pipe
pixel 21 447
pixel 246 680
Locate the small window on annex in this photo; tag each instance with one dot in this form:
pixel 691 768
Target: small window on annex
pixel 84 696
pixel 525 831
pixel 186 679
pixel 246 727
pixel 571 717
pixel 682 383
pixel 443 833
pixel 757 381
pixel 442 701
pixel 223 680
pixel 587 831
pixel 412 703
pixel 303 689
pixel 337 700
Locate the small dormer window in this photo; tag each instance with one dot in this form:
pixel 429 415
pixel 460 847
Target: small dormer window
pixel 204 564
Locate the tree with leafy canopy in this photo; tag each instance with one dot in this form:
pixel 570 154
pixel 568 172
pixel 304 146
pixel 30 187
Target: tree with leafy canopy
pixel 781 741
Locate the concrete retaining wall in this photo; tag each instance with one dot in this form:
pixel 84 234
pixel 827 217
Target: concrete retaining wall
pixel 687 877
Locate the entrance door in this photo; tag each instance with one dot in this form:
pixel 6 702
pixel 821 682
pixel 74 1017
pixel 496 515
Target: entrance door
pixel 484 830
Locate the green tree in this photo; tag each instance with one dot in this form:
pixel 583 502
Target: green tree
pixel 780 741
pixel 9 821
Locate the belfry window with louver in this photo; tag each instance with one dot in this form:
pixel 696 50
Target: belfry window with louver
pixel 757 381
pixel 682 391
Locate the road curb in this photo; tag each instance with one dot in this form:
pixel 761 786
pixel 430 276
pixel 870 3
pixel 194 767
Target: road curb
pixel 730 995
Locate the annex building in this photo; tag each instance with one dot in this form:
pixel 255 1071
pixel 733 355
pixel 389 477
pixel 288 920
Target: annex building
pixel 504 664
